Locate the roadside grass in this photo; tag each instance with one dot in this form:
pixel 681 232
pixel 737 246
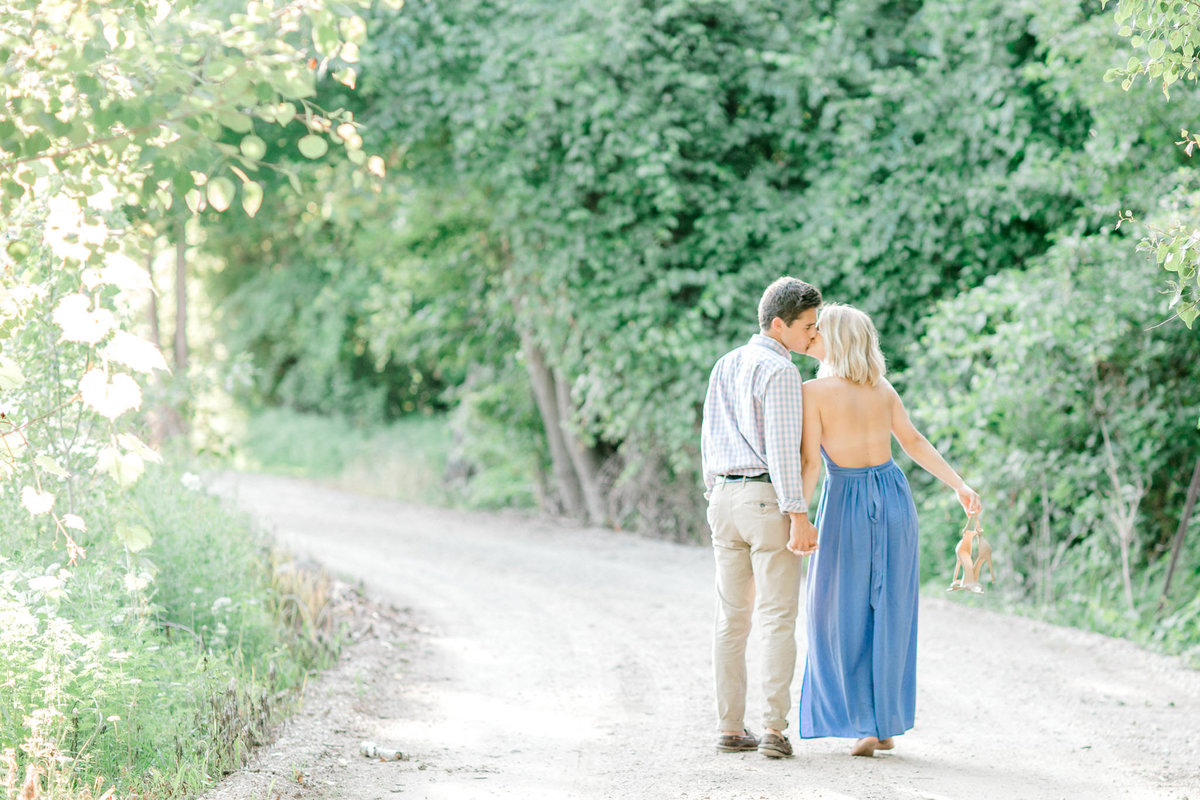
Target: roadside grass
pixel 415 459
pixel 152 666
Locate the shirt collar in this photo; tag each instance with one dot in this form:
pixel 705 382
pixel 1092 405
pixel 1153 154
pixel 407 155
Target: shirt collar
pixel 766 341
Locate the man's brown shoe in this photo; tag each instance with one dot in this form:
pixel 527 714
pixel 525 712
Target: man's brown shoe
pixel 736 743
pixel 775 746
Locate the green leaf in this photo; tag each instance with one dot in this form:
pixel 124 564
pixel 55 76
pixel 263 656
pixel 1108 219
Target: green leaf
pixel 11 376
pixel 252 197
pixel 1156 48
pixel 296 83
pixel 353 29
pixel 326 39
pixel 235 121
pixel 18 251
pixel 313 146
pixel 220 191
pixel 285 113
pixel 136 538
pixel 51 466
pixel 1188 314
pixel 254 147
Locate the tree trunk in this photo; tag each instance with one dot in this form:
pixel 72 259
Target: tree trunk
pixel 583 458
pixel 152 312
pixel 165 421
pixel 1123 514
pixel 1046 557
pixel 570 494
pixel 181 346
pixel 1177 546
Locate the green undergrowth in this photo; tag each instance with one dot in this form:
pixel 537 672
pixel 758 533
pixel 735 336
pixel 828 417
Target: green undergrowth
pixel 152 665
pixel 417 459
pixel 1079 592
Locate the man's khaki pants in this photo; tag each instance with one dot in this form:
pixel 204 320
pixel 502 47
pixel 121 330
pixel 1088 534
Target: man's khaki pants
pixel 750 537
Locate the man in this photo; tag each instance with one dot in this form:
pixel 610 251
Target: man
pixel 750 444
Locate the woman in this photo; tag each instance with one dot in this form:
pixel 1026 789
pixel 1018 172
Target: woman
pixel 860 676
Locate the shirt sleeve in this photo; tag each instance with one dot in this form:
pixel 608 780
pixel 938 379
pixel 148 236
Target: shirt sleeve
pixel 783 424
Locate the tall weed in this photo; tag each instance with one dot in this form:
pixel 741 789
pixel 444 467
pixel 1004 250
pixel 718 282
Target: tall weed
pixel 154 664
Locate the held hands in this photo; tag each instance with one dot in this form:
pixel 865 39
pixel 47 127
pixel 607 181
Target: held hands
pixel 969 499
pixel 803 539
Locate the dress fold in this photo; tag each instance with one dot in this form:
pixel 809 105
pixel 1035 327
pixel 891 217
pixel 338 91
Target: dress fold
pixel 860 670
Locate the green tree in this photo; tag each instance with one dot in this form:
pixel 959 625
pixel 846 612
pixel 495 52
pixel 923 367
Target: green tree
pixel 1165 37
pixel 116 119
pixel 648 167
pixel 112 115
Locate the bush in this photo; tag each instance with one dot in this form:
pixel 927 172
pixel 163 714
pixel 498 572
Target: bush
pixel 1077 417
pixel 156 662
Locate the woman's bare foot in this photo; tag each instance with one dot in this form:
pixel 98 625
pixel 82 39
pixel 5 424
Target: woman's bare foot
pixel 867 746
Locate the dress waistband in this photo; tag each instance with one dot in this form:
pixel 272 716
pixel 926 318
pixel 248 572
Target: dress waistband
pixel 851 472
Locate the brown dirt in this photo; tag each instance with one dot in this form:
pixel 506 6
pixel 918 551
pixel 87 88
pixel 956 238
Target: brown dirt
pixel 510 657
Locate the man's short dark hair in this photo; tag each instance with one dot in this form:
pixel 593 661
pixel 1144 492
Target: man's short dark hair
pixel 786 298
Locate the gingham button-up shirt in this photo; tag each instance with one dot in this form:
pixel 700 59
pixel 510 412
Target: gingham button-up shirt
pixel 753 418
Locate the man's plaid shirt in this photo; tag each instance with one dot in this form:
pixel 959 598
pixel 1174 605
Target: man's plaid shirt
pixel 753 418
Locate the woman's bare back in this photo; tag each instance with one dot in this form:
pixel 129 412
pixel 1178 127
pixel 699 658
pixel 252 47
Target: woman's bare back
pixel 856 420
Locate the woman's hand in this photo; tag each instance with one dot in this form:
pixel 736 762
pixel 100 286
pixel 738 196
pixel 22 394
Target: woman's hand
pixel 969 499
pixel 803 536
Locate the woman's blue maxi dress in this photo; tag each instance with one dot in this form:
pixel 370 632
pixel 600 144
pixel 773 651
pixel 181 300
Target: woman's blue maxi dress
pixel 860 674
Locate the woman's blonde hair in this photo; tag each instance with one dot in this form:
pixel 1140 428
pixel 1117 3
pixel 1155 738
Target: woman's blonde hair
pixel 851 345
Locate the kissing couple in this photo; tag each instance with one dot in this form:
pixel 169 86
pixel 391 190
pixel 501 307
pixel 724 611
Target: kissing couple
pixel 764 437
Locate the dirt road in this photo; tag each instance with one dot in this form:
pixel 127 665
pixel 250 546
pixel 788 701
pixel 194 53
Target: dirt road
pixel 533 660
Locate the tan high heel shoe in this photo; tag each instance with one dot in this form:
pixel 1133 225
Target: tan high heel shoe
pixel 966 568
pixel 983 557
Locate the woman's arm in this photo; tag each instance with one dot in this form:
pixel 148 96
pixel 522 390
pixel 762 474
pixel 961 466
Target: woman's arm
pixel 810 442
pixel 921 451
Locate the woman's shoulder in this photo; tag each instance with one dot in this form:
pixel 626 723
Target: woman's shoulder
pixel 821 385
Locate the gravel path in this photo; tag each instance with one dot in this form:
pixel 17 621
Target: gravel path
pixel 520 658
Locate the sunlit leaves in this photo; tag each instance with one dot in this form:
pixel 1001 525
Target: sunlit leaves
pixel 219 192
pixel 252 197
pixel 80 322
pixel 123 467
pixel 36 502
pixel 109 398
pixel 133 352
pixel 11 376
pixel 1169 34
